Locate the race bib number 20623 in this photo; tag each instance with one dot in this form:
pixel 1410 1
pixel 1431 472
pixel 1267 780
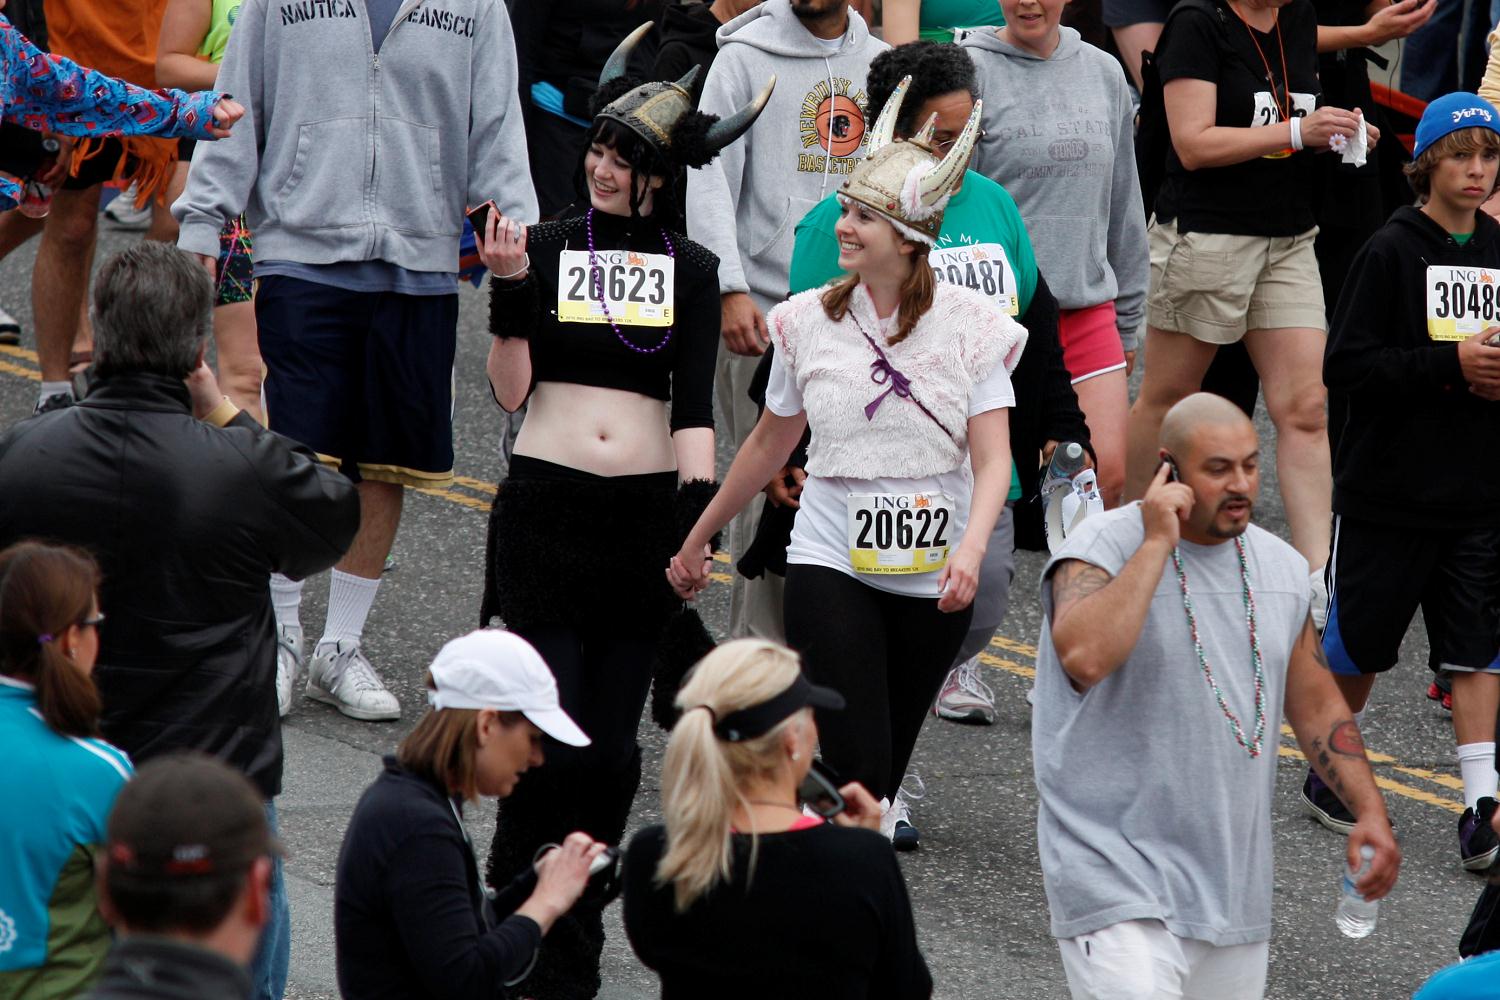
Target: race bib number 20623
pixel 628 288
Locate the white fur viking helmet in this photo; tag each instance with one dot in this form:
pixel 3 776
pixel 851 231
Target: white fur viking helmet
pixel 907 181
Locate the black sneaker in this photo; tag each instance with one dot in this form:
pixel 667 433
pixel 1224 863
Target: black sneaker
pixel 1477 845
pixel 1325 806
pixel 56 401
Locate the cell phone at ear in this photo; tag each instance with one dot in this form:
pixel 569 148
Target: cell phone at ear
pixel 479 217
pixel 1172 474
pixel 819 791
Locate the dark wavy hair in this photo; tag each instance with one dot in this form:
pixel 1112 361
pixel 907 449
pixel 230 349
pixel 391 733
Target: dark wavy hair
pixel 935 69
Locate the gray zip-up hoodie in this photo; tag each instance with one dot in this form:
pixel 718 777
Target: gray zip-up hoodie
pixel 745 205
pixel 1060 137
pixel 345 155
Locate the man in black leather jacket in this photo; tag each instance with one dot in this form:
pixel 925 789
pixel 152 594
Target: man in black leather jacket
pixel 189 505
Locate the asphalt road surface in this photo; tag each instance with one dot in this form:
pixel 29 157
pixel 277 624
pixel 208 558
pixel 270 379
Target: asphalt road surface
pixel 975 883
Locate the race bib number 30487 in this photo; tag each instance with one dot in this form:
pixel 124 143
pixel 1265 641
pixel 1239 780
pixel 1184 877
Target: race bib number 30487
pixel 1461 301
pixel 899 532
pixel 636 288
pixel 980 266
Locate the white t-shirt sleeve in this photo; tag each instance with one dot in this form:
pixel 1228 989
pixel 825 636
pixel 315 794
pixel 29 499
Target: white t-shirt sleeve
pixel 993 392
pixel 783 398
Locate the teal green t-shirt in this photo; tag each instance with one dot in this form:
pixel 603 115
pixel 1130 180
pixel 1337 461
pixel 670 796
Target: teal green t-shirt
pixel 983 245
pixel 1462 239
pixel 938 18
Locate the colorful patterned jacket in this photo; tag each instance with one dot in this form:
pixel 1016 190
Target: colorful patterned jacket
pixel 40 91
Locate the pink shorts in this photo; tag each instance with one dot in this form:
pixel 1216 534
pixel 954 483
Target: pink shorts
pixel 1090 341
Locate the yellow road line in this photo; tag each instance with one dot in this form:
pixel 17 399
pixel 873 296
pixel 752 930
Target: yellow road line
pixel 476 484
pixel 1013 646
pixel 1394 787
pixel 19 352
pixel 1010 666
pixel 449 495
pixel 10 369
pixel 721 577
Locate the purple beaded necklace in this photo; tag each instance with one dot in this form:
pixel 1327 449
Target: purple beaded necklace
pixel 597 273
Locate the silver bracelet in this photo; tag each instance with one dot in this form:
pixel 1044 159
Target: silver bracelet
pixel 514 274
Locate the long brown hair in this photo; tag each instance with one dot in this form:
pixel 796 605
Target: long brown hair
pixel 441 748
pixel 916 295
pixel 44 591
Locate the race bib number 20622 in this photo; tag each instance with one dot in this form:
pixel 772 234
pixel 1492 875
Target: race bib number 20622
pixel 899 532
pixel 1461 301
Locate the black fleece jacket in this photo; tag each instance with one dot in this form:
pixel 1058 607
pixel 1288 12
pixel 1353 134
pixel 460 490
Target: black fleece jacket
pixel 407 914
pixel 1416 446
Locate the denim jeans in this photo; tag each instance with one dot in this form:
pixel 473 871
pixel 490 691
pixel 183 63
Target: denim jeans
pixel 274 956
pixel 1432 62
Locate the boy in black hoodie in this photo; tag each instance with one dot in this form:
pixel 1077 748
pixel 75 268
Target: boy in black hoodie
pixel 1417 470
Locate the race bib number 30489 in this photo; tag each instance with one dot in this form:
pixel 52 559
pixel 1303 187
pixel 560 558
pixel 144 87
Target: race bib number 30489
pixel 1461 301
pixel 636 288
pixel 899 532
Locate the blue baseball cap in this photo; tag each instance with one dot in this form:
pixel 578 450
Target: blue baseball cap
pixel 1452 112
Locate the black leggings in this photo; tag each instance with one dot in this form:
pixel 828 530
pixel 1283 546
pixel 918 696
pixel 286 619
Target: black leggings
pixel 887 654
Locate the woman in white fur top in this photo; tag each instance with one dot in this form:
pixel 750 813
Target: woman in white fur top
pixel 905 383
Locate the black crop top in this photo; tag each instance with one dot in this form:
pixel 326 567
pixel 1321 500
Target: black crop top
pixel 591 353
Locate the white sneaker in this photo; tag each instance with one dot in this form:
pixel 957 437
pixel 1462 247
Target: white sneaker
pixel 288 665
pixel 339 675
pixel 126 212
pixel 895 817
pixel 10 328
pixel 1319 606
pixel 965 696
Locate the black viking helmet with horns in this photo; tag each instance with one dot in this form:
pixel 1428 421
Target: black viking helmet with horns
pixel 661 113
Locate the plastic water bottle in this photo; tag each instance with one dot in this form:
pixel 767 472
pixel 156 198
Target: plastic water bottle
pixel 1070 492
pixel 1068 459
pixel 1356 915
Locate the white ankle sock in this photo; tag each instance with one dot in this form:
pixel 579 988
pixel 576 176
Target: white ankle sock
pixel 286 600
pixel 349 601
pixel 1476 763
pixel 50 389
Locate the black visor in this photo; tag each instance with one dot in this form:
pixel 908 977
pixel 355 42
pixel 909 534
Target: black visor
pixel 757 720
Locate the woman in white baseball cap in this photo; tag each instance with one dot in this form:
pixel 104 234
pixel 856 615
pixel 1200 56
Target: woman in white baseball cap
pixel 411 916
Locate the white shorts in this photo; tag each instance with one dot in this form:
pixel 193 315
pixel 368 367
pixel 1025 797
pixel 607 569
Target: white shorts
pixel 1142 960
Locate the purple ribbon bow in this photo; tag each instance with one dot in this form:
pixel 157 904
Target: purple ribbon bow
pixel 882 372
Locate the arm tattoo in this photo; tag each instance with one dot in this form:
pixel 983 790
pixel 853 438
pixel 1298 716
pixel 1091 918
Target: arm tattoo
pixel 1072 581
pixel 1317 646
pixel 1345 738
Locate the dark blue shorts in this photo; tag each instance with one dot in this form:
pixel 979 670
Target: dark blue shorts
pixel 1380 575
pixel 365 379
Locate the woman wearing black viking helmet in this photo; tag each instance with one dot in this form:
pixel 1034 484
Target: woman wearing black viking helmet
pixel 606 325
pixel 905 385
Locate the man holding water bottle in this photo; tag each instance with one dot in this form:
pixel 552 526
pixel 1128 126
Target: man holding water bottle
pixel 1155 739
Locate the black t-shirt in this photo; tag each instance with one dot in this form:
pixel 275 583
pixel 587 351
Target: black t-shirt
pixel 825 915
pixel 1266 196
pixel 668 363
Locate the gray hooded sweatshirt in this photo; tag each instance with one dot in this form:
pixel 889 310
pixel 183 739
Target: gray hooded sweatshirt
pixel 745 205
pixel 1060 137
pixel 345 155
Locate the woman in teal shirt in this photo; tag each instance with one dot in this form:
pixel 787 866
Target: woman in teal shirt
pixel 936 20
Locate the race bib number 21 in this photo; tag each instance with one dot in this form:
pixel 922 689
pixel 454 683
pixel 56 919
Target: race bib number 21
pixel 1462 301
pixel 636 289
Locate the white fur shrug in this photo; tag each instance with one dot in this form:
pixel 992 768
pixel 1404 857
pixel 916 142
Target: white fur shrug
pixel 953 347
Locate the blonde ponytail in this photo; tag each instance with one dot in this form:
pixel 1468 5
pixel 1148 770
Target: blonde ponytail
pixel 702 774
